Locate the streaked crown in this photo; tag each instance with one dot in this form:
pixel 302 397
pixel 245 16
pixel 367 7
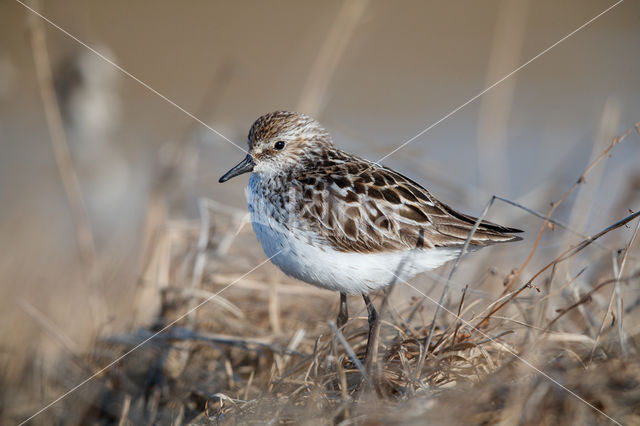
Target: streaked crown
pixel 282 140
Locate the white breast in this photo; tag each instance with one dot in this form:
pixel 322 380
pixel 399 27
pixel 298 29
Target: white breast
pixel 324 267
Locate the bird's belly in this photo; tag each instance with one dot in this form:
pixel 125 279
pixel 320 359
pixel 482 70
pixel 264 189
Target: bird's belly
pixel 298 254
pixel 352 273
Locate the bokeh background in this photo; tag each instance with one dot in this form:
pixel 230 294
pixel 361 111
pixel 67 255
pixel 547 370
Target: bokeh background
pixel 375 73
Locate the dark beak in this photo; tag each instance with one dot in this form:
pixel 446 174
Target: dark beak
pixel 245 166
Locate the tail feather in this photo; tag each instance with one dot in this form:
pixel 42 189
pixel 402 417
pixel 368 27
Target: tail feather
pixel 487 232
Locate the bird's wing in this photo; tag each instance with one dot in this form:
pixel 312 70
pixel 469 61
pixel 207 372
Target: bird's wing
pixel 353 205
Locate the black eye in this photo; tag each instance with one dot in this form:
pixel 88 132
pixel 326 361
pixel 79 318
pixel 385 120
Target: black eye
pixel 279 145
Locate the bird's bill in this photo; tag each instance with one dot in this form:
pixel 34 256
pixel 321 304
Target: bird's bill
pixel 245 166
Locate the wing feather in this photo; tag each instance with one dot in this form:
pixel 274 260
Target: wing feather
pixel 354 205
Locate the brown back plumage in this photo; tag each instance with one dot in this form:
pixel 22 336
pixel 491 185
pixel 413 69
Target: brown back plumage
pixel 354 205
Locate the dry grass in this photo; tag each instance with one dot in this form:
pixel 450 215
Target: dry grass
pixel 263 350
pixel 213 344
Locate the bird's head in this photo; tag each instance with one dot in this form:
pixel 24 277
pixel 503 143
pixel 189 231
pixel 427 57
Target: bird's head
pixel 281 141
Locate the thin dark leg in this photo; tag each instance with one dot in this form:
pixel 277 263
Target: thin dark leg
pixel 374 330
pixel 343 315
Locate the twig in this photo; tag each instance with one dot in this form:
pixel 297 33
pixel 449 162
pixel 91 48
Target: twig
pixel 182 334
pixel 453 269
pixel 350 352
pixel 126 405
pixel 183 346
pixel 617 273
pixel 156 207
pixel 553 222
pixel 66 170
pixel 494 111
pixel 312 99
pixel 291 347
pixel 58 335
pixel 493 338
pixel 249 382
pixel 621 334
pixel 586 298
pixel 204 294
pixel 455 333
pixel 587 319
pixel 50 327
pixel 554 206
pixel 273 306
pixel 571 251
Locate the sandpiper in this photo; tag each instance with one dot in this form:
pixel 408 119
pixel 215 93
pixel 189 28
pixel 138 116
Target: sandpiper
pixel 337 221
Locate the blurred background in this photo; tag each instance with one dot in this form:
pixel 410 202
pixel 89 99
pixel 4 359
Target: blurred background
pixel 76 236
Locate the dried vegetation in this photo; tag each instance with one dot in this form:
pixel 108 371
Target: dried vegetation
pixel 224 345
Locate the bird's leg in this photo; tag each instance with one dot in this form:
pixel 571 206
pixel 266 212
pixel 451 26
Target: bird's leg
pixel 371 356
pixel 343 315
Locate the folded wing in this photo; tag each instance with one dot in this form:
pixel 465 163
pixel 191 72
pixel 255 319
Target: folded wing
pixel 356 206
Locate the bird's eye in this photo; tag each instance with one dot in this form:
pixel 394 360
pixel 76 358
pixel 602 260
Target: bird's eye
pixel 279 145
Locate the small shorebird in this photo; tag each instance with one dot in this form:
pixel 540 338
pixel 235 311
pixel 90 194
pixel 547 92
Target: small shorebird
pixel 343 223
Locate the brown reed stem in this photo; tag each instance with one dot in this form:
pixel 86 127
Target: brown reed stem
pixel 570 252
pixel 66 170
pixel 554 206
